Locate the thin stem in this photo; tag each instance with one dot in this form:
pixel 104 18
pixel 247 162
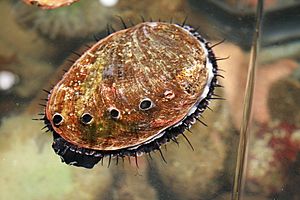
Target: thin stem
pixel 241 162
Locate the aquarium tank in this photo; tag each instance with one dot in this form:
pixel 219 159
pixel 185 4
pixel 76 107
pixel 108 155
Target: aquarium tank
pixel 244 145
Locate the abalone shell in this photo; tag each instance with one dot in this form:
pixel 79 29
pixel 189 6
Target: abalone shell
pixel 131 92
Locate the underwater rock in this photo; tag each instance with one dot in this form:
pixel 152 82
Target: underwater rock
pixel 87 18
pixel 132 182
pixel 23 54
pixel 266 172
pixel 234 82
pixel 291 188
pixel 132 10
pixel 15 41
pixel 30 170
pixel 273 149
pixel 284 100
pixel 17 83
pixel 266 76
pixel 24 69
pixel 274 103
pixel 275 146
pixel 50 4
pixel 79 20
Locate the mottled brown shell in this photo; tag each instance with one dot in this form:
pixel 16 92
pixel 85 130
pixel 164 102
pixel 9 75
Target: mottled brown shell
pixel 161 62
pixel 50 4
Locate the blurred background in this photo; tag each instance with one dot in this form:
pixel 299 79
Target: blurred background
pixel 36 44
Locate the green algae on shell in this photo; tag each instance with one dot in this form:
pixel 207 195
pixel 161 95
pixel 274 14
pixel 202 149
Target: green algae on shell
pixel 129 93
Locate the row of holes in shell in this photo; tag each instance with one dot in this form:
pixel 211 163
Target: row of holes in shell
pixel 87 118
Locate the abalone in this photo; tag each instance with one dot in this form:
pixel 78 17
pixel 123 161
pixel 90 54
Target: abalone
pixel 130 92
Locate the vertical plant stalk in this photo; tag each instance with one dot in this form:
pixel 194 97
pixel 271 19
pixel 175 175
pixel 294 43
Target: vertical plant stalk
pixel 241 162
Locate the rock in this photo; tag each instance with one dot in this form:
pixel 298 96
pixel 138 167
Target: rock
pixel 273 149
pixel 26 69
pixel 236 69
pixel 267 75
pixel 154 10
pixel 132 182
pixel 284 101
pixel 15 41
pixel 31 170
pixel 79 20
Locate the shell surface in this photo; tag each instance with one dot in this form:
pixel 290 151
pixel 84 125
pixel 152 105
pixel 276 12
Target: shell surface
pixel 132 89
pixel 50 4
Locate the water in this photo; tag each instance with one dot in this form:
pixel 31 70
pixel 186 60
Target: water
pixel 35 44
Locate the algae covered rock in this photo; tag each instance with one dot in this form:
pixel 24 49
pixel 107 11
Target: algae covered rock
pixel 30 169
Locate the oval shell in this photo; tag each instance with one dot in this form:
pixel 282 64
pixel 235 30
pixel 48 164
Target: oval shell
pixel 169 65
